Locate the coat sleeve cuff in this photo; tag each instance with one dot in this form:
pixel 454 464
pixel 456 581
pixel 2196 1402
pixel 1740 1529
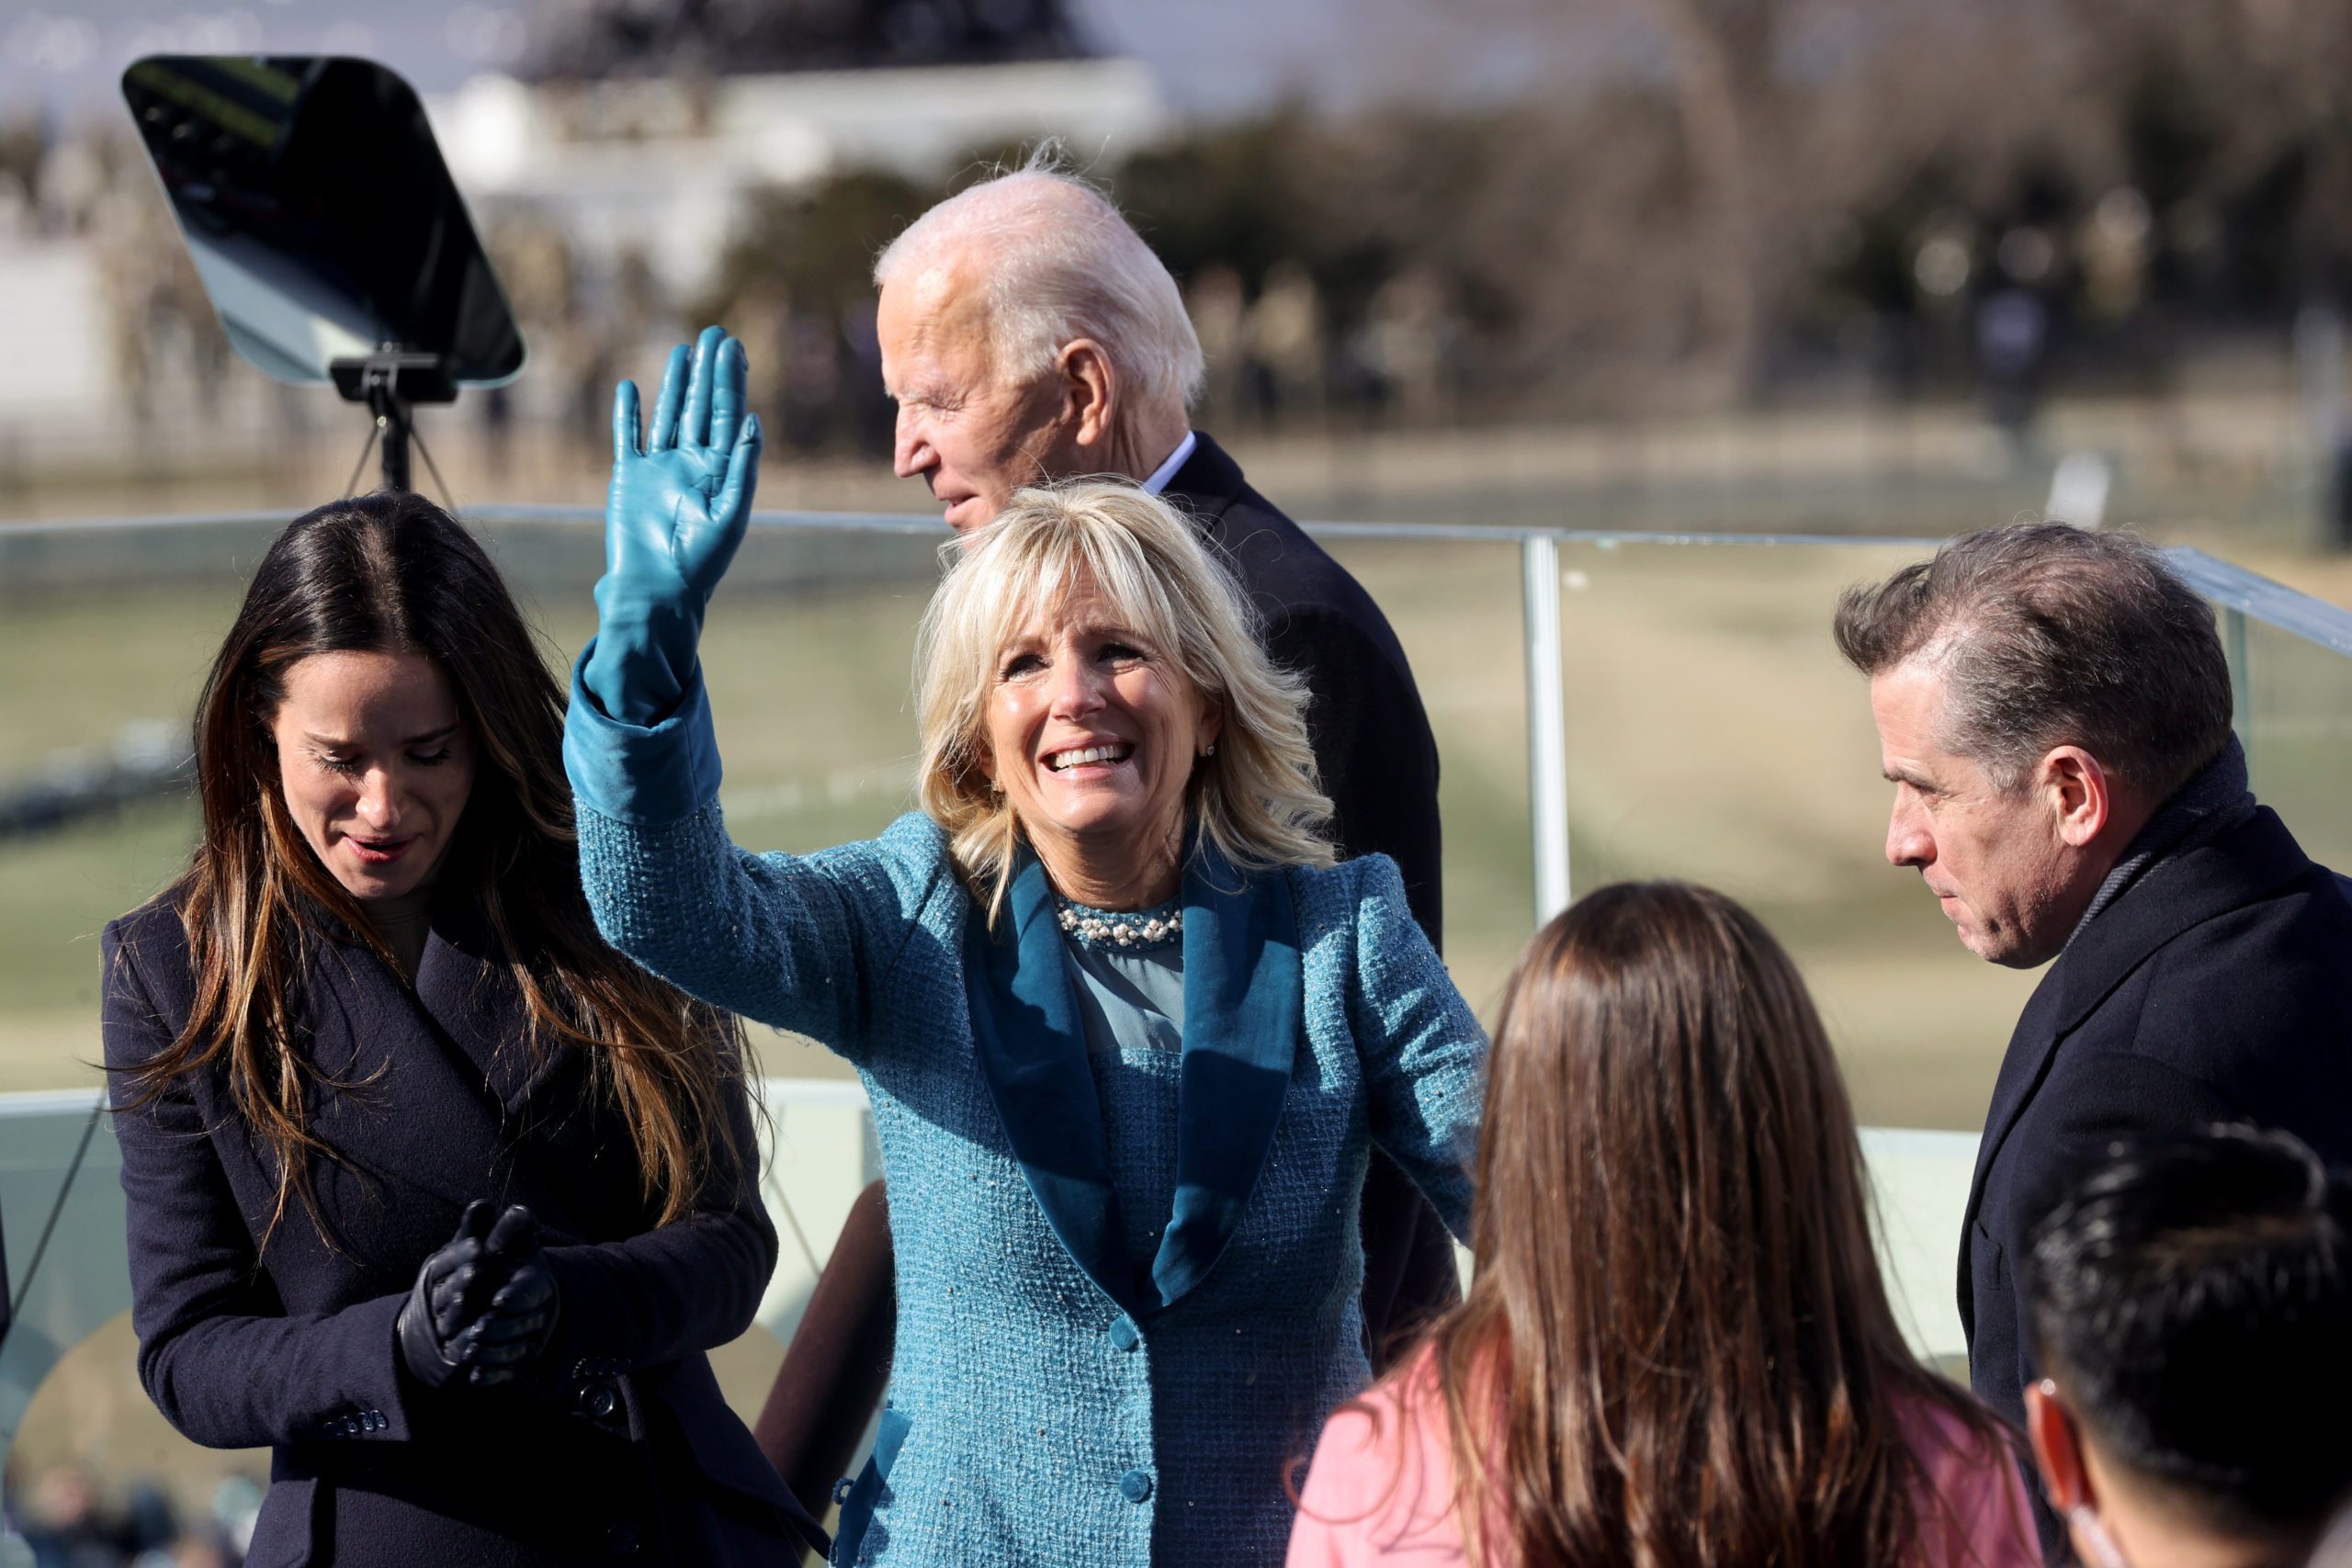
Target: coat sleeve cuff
pixel 367 1400
pixel 648 776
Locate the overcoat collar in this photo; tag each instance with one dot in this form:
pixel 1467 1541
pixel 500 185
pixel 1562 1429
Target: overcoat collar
pixel 1243 1003
pixel 1209 483
pixel 2230 872
pixel 467 990
pixel 463 1002
pixel 421 1082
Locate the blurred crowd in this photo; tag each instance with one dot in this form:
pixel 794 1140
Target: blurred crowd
pixel 68 1523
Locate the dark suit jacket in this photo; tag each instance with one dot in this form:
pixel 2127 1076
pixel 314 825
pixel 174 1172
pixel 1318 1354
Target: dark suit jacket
pixel 620 1443
pixel 2219 988
pixel 1370 735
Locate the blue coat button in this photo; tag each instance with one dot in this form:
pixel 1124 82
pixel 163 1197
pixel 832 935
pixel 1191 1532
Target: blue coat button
pixel 600 1400
pixel 622 1541
pixel 1134 1486
pixel 1123 1332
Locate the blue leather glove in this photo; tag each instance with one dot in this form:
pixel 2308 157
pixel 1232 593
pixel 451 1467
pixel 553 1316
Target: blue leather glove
pixel 677 511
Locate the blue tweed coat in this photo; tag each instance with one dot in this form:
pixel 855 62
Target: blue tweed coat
pixel 1040 1413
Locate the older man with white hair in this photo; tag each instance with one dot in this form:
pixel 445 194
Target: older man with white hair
pixel 1029 335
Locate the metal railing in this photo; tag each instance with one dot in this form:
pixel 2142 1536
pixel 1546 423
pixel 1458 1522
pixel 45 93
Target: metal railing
pixel 61 1208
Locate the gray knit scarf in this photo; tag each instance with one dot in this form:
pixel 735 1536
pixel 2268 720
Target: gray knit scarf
pixel 2210 805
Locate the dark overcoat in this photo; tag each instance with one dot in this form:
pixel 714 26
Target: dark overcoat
pixel 1371 737
pixel 2217 988
pixel 1378 759
pixel 618 1446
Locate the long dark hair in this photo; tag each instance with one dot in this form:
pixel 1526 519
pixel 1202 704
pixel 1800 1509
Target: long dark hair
pixel 1677 1350
pixel 392 572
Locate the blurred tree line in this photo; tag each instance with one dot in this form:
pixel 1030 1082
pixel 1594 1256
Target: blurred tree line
pixel 1779 199
pixel 1748 200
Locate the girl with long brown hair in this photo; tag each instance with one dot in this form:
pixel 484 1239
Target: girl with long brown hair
pixel 430 1191
pixel 1677 1350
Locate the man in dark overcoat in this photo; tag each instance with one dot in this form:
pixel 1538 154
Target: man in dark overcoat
pixel 2053 710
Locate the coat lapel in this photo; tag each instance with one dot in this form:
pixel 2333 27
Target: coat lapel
pixel 1031 1049
pixel 475 1006
pixel 2031 1044
pixel 407 1105
pixel 1242 1011
pixel 2234 871
pixel 1242 1008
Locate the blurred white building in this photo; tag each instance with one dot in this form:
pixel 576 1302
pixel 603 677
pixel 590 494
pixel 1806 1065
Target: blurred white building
pixel 662 165
pixel 654 170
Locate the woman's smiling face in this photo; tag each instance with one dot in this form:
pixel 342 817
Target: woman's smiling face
pixel 375 765
pixel 1094 732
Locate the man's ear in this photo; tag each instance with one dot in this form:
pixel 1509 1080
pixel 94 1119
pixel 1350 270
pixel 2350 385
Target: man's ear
pixel 1090 391
pixel 2079 790
pixel 2057 1446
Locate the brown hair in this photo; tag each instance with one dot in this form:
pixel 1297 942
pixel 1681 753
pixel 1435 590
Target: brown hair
pixel 392 572
pixel 2050 636
pixel 1676 1349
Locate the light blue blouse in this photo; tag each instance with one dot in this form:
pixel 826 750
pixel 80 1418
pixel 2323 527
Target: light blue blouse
pixel 1132 1007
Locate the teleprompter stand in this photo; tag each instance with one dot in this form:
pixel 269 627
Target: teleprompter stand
pixel 391 381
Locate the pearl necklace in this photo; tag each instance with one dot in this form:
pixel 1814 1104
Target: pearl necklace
pixel 1122 931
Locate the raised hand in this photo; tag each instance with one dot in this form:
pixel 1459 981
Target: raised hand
pixel 680 500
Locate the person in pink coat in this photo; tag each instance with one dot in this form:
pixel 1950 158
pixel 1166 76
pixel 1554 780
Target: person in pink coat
pixel 1678 1349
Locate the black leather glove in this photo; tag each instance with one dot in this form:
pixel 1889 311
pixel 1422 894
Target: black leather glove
pixel 518 1324
pixel 438 1309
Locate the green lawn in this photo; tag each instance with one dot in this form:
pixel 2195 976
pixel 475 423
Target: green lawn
pixel 1712 735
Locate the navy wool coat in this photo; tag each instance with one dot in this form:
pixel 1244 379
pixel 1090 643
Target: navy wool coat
pixel 619 1448
pixel 2217 988
pixel 1379 764
pixel 1369 734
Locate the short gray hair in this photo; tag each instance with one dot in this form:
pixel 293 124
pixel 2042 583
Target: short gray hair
pixel 1060 264
pixel 2046 635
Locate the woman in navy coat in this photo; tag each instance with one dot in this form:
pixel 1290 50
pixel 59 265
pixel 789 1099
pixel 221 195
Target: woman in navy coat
pixel 1128 1034
pixel 429 1190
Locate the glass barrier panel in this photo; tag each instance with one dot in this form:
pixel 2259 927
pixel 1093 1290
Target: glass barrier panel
pixel 106 634
pixel 2295 717
pixel 1456 607
pixel 1714 734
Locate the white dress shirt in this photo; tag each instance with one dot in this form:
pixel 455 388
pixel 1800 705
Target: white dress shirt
pixel 1167 470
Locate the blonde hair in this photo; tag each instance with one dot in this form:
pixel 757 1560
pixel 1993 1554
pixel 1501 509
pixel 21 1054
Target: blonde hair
pixel 1257 799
